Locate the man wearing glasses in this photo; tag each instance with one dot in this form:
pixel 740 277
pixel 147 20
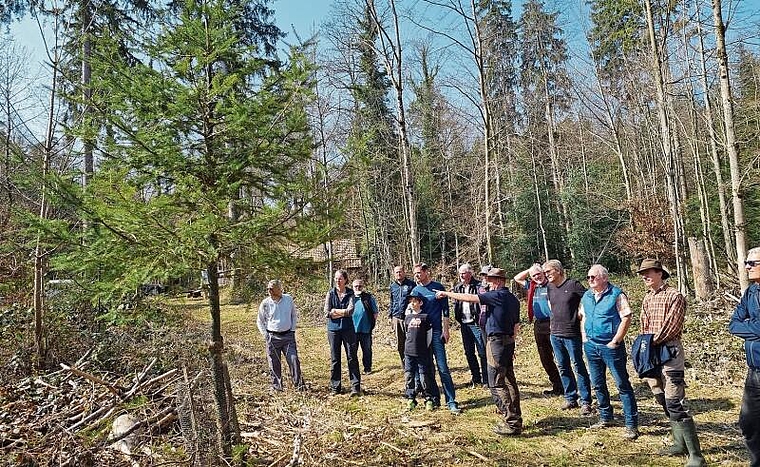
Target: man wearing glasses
pixel 745 323
pixel 662 315
pixel 534 281
pixel 605 319
pixel 277 323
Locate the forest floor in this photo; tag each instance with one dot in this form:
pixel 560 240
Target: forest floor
pixel 377 429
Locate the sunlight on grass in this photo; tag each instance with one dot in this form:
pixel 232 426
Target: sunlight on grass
pixel 377 428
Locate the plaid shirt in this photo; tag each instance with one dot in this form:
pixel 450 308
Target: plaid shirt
pixel 662 314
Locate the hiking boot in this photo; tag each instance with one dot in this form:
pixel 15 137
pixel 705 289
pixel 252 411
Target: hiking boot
pixel 552 392
pixel 601 424
pixel 411 404
pixel 567 405
pixel 356 393
pixel 429 406
pixel 630 433
pixel 587 410
pixel 505 430
pixel 454 408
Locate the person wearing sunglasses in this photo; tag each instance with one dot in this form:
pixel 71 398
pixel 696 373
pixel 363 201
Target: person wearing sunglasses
pixel 605 318
pixel 745 323
pixel 662 315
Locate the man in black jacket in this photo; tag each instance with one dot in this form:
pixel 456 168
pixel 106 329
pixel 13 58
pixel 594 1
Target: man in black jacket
pixel 466 314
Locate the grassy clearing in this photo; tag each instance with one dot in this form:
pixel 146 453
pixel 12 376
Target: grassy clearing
pixel 376 429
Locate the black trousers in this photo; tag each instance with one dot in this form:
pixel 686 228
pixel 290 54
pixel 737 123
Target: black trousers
pixel 343 340
pixel 749 417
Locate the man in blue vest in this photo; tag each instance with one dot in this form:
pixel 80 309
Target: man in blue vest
pixel 605 318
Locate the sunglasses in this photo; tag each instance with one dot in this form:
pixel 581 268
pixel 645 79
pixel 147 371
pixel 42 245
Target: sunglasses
pixel 538 274
pixel 591 278
pixel 751 263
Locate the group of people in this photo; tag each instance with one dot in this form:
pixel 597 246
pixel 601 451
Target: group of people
pixel 568 322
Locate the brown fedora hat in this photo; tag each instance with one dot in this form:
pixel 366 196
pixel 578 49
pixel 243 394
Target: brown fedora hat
pixel 653 264
pixel 497 272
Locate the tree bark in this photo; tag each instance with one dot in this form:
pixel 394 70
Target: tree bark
pixel 714 155
pixel 731 147
pixel 703 284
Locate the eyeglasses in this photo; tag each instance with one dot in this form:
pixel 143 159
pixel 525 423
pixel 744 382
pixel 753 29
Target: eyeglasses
pixel 358 286
pixel 591 278
pixel 751 263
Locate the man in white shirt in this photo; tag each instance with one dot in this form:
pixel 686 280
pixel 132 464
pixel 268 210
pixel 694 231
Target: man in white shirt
pixel 277 323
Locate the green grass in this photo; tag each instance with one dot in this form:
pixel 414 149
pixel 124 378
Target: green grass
pixel 376 429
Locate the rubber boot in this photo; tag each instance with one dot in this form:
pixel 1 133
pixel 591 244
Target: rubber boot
pixel 692 444
pixel 660 398
pixel 679 445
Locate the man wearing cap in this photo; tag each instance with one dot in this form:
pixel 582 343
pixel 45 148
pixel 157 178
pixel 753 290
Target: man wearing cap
pixel 438 315
pixel 662 315
pixel 745 323
pixel 467 315
pixel 277 323
pixel 535 282
pixel 605 319
pixel 400 288
pixel 502 325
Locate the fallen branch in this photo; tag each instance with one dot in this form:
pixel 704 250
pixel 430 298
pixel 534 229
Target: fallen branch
pixel 392 447
pixel 479 456
pixel 92 378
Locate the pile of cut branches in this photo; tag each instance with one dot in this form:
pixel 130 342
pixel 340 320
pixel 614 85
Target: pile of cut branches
pixel 65 417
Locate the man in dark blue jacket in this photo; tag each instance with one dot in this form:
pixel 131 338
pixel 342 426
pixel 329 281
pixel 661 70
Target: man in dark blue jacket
pixel 745 323
pixel 400 288
pixel 502 326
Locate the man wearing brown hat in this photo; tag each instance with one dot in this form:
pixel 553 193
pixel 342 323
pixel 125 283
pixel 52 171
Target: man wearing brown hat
pixel 662 315
pixel 502 324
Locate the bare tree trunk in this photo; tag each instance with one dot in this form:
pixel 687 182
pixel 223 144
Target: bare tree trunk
pixel 40 256
pixel 539 208
pixel 391 45
pixel 703 285
pixel 87 90
pixel 226 435
pixel 556 176
pixel 714 156
pixel 731 147
pixel 666 145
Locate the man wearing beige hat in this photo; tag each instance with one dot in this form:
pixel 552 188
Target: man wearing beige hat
pixel 502 325
pixel 662 316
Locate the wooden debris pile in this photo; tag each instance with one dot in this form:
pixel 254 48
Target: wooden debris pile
pixel 64 418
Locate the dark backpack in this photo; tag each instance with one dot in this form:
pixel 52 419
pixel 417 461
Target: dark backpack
pixel 366 299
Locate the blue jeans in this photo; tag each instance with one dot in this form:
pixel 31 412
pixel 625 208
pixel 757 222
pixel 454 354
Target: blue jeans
pixel 439 352
pixel 600 357
pixel 364 340
pixel 472 341
pixel 567 351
